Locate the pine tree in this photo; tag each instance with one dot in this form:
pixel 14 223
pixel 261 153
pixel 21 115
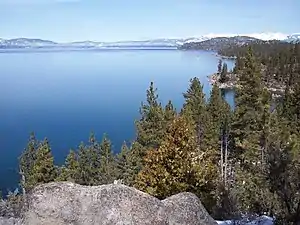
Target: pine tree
pixel 247 123
pixel 250 132
pixel 216 135
pixel 194 108
pixel 178 166
pixel 26 162
pixel 69 172
pixel 43 169
pixel 169 114
pixel 88 163
pixel 239 65
pixel 150 126
pixel 91 162
pixel 127 165
pixel 291 102
pixel 223 76
pixel 283 172
pixel 220 66
pixel 107 163
pixel 169 170
pixel 122 161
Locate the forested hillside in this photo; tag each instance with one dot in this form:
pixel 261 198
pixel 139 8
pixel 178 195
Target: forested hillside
pixel 219 43
pixel 278 64
pixel 241 163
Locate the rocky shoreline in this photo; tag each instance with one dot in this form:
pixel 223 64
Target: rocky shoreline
pixel 230 84
pixel 276 90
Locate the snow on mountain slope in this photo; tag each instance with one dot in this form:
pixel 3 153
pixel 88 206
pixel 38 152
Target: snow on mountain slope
pixel 162 42
pixel 196 39
pixel 293 38
pixel 262 36
pixel 269 36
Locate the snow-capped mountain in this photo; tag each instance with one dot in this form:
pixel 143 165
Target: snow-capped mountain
pixel 161 43
pixel 217 43
pixel 293 38
pixel 83 44
pixel 195 39
pixel 146 43
pixel 26 42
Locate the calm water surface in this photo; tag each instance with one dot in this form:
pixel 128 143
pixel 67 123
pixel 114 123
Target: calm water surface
pixel 66 95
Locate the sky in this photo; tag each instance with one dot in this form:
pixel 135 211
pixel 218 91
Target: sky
pixel 114 20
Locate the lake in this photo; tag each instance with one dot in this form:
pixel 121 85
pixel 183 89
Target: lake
pixel 65 95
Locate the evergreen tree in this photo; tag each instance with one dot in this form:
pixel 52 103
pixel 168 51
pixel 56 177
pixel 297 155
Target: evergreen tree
pixel 216 135
pixel 168 170
pixel 283 172
pixel 218 114
pixel 89 162
pixel 122 161
pixel 223 76
pixel 26 162
pixel 127 165
pixel 43 169
pixel 220 66
pixel 107 164
pixel 194 108
pixel 248 130
pixel 169 113
pixel 247 123
pixel 69 172
pixel 150 126
pixel 292 96
pixel 177 166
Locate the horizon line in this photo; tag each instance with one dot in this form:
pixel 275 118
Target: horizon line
pixel 279 35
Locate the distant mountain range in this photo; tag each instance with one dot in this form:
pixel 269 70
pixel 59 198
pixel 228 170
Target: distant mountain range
pixel 206 41
pixel 217 43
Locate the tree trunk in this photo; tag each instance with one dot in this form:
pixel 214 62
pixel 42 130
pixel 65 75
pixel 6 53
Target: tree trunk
pixel 222 157
pixel 226 158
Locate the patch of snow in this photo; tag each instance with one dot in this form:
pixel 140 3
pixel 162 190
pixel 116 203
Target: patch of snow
pixel 262 220
pixel 293 38
pixel 269 36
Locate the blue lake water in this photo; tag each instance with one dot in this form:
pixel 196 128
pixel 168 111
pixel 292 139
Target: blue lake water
pixel 65 95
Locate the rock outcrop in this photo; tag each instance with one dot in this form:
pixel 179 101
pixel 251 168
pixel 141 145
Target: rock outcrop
pixel 65 203
pixel 10 221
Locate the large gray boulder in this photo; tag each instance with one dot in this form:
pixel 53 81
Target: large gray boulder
pixel 65 203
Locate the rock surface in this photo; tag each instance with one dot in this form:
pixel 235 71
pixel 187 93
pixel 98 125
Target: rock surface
pixel 65 203
pixel 10 221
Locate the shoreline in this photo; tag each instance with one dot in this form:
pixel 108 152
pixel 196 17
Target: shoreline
pixel 213 79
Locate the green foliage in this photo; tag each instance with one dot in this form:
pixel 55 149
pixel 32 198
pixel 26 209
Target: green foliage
pixel 14 204
pixel 69 172
pixel 220 66
pixel 178 165
pixel 43 170
pixel 89 162
pixel 194 108
pixel 107 169
pixel 128 163
pixel 96 164
pixel 223 74
pixel 169 170
pixel 26 162
pixel 169 113
pixel 150 126
pixel 283 172
pixel 247 123
pixel 217 120
pixel 123 162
